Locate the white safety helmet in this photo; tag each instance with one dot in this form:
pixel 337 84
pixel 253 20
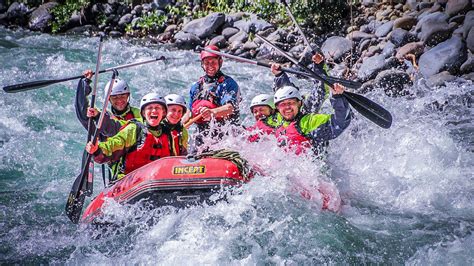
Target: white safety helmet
pixel 287 92
pixel 119 87
pixel 262 99
pixel 152 97
pixel 176 99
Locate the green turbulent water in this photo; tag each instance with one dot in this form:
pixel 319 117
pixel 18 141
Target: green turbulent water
pixel 407 192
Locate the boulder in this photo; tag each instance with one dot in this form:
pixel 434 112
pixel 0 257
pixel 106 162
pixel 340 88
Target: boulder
pixel 371 66
pixel 229 32
pixel 400 37
pixel 454 7
pixel 384 29
pixel 253 24
pixel 468 23
pixel 17 13
pixel 241 36
pixel 41 17
pixel 115 34
pixel 432 34
pixel 469 76
pixel 430 19
pixel 406 23
pixel 470 40
pixel 393 82
pixel 357 36
pixel 184 40
pixel 161 4
pixel 250 46
pixel 218 41
pixel 388 49
pixel 468 66
pixel 336 47
pixel 448 55
pixel 124 20
pixel 415 48
pixel 204 27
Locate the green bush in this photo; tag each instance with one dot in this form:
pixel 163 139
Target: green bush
pixel 148 23
pixel 62 13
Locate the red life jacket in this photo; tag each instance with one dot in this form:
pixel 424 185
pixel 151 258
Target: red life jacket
pixel 260 128
pixel 205 97
pixel 148 148
pixel 292 137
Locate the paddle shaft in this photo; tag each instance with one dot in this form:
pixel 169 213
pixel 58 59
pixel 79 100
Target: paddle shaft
pixel 192 120
pixel 308 45
pixel 78 192
pixel 43 83
pixel 371 110
pixel 90 122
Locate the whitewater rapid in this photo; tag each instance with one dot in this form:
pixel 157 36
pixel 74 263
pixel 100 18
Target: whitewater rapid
pixel 407 192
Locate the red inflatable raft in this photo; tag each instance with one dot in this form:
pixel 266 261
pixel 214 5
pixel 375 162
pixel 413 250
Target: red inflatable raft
pixel 175 181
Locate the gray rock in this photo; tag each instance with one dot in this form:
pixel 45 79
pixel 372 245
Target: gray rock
pixel 138 10
pixel 468 23
pixel 388 49
pixel 17 11
pixel 229 32
pixel 406 22
pixel 252 25
pixel 447 55
pixel 124 20
pixel 412 4
pixel 470 40
pixel 250 45
pixel 415 48
pixel 440 79
pixel 432 34
pixel 339 70
pixel 241 37
pixel 400 37
pixel 371 66
pixel 363 45
pixel 108 9
pixel 218 41
pixel 85 30
pixel 41 17
pixel 384 29
pixel 393 82
pixel 204 27
pixel 184 40
pixel 458 19
pixel 468 66
pixel 359 36
pixel 171 28
pixel 430 19
pixel 336 47
pixel 115 34
pixel 454 7
pixel 371 26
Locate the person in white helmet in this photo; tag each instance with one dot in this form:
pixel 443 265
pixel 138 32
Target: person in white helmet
pixel 261 107
pixel 121 110
pixel 299 131
pixel 176 109
pixel 138 143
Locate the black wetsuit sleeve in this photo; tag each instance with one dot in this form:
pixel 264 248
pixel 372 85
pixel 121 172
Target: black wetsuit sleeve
pixel 339 121
pixel 81 103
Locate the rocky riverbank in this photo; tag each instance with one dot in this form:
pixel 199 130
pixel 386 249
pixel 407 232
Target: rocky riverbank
pixel 385 45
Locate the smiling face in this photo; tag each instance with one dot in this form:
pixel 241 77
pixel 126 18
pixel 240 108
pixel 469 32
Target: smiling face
pixel 289 108
pixel 119 102
pixel 211 65
pixel 154 113
pixel 260 112
pixel 175 113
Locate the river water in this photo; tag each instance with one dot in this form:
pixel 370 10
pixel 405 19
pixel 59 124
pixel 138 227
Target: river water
pixel 407 192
